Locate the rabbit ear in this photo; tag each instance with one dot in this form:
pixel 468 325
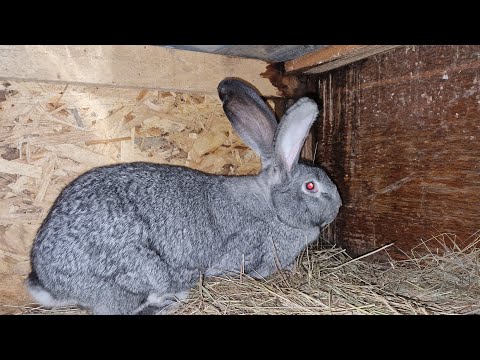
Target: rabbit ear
pixel 292 132
pixel 250 116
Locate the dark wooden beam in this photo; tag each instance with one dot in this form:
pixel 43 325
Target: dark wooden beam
pixel 332 57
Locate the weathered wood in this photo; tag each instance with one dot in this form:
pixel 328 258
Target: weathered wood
pixel 290 86
pixel 333 56
pixel 148 67
pixel 400 137
pixel 275 53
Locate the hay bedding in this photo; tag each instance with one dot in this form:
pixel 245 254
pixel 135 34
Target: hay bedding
pixel 327 281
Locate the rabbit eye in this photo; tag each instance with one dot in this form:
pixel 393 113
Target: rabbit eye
pixel 310 185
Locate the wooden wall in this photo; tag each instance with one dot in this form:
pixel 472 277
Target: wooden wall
pixel 130 66
pixel 401 138
pixel 51 133
pixel 399 135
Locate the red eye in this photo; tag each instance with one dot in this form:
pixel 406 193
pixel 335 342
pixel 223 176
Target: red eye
pixel 310 185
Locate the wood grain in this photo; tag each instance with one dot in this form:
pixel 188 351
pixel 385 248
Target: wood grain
pixel 44 146
pixel 332 57
pixel 400 136
pixel 274 53
pixel 147 67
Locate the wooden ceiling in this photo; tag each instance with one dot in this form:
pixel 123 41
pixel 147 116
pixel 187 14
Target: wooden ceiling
pixel 308 59
pixel 273 53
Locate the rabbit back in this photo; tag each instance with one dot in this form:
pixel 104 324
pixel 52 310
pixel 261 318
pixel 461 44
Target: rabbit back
pixel 125 231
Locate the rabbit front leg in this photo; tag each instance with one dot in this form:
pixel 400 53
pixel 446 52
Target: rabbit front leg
pixel 161 304
pixel 291 267
pixel 237 257
pixel 264 269
pixel 268 266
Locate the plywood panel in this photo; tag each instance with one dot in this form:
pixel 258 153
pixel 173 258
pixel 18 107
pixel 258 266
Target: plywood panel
pixel 51 133
pixel 400 136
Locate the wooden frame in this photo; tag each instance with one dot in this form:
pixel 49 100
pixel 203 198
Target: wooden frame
pixel 332 57
pixel 146 67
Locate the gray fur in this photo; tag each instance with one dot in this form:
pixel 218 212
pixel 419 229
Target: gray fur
pixel 131 238
pixel 250 116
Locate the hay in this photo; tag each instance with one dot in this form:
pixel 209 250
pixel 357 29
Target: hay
pixel 327 281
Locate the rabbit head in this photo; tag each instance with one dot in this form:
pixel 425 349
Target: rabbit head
pixel 302 195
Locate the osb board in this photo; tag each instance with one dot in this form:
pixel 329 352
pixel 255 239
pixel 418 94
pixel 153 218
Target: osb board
pixel 51 133
pixel 400 137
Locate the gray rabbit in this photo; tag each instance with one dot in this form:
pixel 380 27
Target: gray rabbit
pixel 134 238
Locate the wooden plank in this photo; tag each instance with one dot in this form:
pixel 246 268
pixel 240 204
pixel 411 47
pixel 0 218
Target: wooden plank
pixel 400 139
pixel 148 67
pixel 275 53
pixel 334 56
